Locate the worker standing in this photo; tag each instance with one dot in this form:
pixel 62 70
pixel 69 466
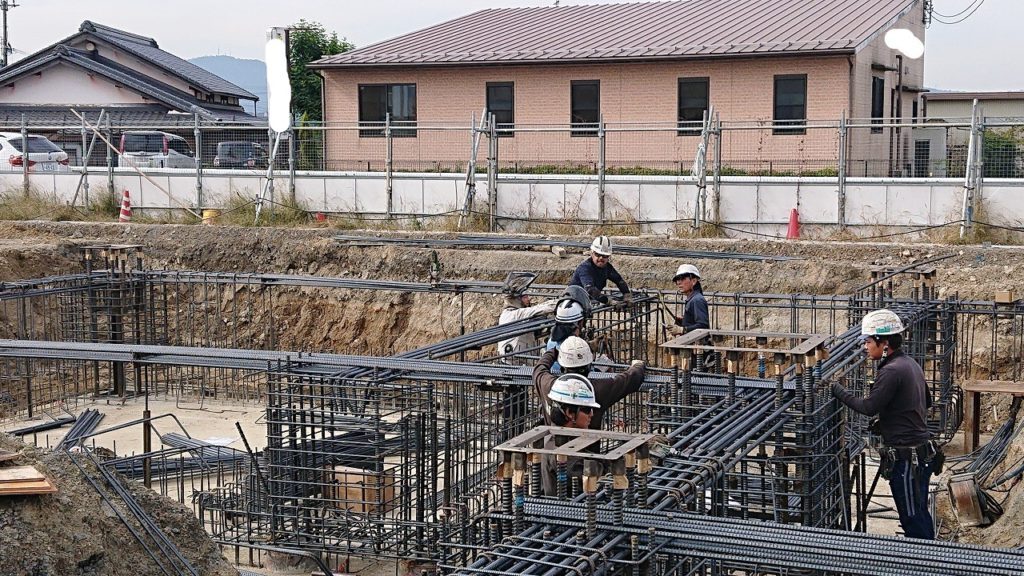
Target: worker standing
pixel 518 307
pixel 899 397
pixel 695 312
pixel 575 401
pixel 595 272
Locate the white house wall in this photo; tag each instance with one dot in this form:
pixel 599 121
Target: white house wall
pixel 760 205
pixel 69 86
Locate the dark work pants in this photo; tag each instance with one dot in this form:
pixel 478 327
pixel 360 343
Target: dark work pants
pixel 910 491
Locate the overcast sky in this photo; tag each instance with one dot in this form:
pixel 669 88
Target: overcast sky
pixel 981 53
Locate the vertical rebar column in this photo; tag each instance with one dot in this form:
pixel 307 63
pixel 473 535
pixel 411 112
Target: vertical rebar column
pixel 634 553
pixel 643 467
pixel 762 363
pixel 505 477
pixel 731 365
pixel 536 467
pixel 519 488
pixel 630 463
pixel 686 382
pixel 591 475
pixel 562 475
pixel 809 440
pixel 620 483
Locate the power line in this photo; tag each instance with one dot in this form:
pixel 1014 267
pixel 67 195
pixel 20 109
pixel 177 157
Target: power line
pixel 970 10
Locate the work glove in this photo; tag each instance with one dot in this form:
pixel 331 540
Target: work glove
pixel 660 448
pixel 636 362
pixel 675 329
pixel 627 298
pixel 838 390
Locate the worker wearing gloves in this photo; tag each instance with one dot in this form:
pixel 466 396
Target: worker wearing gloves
pixel 899 397
pixel 574 400
pixel 518 307
pixel 595 272
pixel 695 312
pixel 569 320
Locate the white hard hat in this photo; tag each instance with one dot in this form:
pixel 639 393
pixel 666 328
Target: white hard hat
pixel 574 352
pixel 602 246
pixel 685 269
pixel 568 311
pixel 880 323
pixel 573 390
pixel 579 295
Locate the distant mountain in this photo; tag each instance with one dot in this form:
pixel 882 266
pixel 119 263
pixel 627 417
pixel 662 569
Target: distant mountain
pixel 248 74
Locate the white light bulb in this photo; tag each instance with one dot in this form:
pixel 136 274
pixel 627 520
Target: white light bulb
pixel 279 89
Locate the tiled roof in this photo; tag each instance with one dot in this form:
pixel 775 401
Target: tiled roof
pixel 637 31
pixel 147 49
pixel 133 116
pixel 171 97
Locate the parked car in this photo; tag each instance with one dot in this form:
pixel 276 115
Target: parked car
pixel 43 155
pixel 241 154
pixel 154 149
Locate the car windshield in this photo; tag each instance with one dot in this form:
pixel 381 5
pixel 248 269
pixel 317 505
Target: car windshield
pixel 180 147
pixel 239 149
pixel 36 144
pixel 149 143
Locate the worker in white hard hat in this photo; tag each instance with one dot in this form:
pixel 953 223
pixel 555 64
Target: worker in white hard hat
pixel 595 272
pixel 518 306
pixel 899 397
pixel 569 320
pixel 574 400
pixel 695 312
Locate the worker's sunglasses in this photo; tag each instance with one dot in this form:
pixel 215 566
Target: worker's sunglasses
pixel 601 256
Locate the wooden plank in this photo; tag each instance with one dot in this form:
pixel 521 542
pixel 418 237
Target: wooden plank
pixel 28 488
pixel 19 473
pixel 6 456
pixel 972 414
pixel 995 386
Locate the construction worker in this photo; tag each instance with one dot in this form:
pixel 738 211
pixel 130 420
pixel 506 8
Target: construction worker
pixel 595 272
pixel 575 401
pixel 518 307
pixel 899 397
pixel 695 312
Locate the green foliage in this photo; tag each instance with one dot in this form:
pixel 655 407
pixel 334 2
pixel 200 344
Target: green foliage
pixel 1004 153
pixel 308 42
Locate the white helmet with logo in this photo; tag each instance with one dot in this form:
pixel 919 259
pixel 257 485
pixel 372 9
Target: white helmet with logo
pixel 568 311
pixel 573 390
pixel 601 246
pixel 574 352
pixel 881 323
pixel 686 269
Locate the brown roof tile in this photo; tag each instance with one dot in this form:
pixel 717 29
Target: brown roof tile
pixel 644 30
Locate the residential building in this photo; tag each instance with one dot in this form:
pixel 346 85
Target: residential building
pixel 634 66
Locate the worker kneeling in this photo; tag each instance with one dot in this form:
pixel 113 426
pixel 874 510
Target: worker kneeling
pixel 575 401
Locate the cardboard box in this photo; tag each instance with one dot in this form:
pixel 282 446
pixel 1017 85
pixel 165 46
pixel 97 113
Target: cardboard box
pixel 1005 297
pixel 360 491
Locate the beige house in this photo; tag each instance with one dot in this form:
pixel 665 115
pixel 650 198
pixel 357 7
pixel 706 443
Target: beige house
pixel 648 70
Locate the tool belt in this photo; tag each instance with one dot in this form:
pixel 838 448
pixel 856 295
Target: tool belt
pixel 928 453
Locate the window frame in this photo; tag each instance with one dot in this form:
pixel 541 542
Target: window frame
pixel 776 120
pixel 504 129
pixel 583 129
pixel 877 102
pixel 378 132
pixel 689 129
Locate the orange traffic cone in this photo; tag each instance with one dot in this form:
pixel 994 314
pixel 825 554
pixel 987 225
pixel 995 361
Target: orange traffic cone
pixel 793 233
pixel 126 208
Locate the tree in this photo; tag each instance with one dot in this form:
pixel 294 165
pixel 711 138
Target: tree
pixel 308 42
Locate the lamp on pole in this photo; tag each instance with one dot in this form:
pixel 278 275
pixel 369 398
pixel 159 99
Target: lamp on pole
pixel 907 44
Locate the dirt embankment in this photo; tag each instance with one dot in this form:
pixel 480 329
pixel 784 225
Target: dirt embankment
pixel 75 532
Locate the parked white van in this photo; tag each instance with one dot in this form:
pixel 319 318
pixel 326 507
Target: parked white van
pixel 154 149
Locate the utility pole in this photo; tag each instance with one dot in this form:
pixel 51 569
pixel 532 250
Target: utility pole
pixel 5 47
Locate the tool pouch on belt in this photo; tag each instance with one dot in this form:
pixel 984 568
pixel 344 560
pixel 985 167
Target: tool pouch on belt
pixel 931 452
pixel 887 461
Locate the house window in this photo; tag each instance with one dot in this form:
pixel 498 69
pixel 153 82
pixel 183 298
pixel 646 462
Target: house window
pixel 790 103
pixel 693 102
pixel 501 103
pixel 877 103
pixel 376 101
pixel 585 101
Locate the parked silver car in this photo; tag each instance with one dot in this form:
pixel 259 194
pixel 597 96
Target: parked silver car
pixel 154 149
